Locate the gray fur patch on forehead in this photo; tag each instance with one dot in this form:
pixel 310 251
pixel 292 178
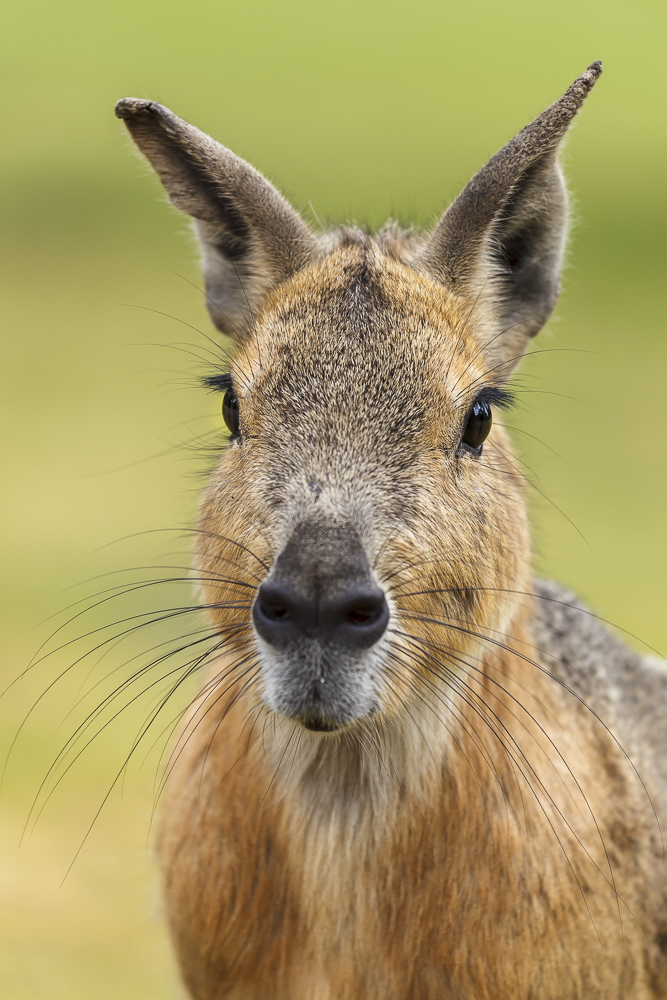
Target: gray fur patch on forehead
pixel 363 292
pixel 396 241
pixel 353 298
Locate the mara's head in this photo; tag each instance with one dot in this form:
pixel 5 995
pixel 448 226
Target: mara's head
pixel 367 508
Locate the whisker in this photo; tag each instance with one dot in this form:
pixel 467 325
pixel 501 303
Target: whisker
pixel 93 716
pixel 511 755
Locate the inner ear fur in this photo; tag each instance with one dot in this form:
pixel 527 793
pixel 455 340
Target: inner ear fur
pixel 251 237
pixel 500 244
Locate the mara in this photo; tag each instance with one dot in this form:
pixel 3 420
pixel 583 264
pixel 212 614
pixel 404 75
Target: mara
pixel 413 772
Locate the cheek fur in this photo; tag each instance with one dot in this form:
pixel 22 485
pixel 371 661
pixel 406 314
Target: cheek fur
pixel 461 569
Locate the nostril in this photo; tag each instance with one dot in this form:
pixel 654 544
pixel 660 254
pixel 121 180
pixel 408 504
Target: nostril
pixel 274 612
pixel 363 620
pixel 363 607
pixel 363 616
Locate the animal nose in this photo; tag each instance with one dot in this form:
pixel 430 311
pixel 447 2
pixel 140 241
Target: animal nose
pixel 354 619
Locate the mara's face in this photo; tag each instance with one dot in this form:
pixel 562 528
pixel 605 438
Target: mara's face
pixel 366 521
pixel 365 514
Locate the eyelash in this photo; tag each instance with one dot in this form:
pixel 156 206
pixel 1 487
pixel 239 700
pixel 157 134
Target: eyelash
pixel 501 399
pixel 219 383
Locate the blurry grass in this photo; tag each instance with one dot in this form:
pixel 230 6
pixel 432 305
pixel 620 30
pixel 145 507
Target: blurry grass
pixel 362 110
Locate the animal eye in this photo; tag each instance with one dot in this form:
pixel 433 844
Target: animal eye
pixel 478 426
pixel 230 411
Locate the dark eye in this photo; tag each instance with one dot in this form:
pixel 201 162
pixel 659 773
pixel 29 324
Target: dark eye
pixel 478 426
pixel 230 411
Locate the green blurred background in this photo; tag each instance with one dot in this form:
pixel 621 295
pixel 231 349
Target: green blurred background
pixel 357 110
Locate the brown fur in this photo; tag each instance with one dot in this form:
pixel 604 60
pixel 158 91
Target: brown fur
pixel 478 833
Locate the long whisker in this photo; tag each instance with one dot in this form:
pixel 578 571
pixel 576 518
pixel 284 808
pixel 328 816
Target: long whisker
pixel 512 755
pixel 473 588
pixel 547 673
pixel 469 667
pixel 449 705
pixel 93 716
pixel 190 729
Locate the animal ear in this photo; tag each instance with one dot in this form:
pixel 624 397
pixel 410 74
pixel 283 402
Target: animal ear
pixel 500 244
pixel 251 238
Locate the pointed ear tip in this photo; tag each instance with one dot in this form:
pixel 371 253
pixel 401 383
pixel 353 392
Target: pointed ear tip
pixel 590 76
pixel 131 107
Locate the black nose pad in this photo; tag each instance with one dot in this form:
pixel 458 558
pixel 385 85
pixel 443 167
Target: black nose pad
pixel 355 619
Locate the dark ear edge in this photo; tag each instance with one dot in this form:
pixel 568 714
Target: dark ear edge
pixel 501 242
pixel 251 237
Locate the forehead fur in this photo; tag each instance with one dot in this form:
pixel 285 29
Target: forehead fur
pixel 362 322
pixel 362 286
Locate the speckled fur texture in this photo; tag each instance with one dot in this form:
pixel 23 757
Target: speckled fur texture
pixel 481 821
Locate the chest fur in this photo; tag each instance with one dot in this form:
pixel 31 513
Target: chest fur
pixel 286 876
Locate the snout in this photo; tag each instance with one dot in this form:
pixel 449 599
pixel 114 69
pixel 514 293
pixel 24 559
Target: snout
pixel 320 613
pixel 353 619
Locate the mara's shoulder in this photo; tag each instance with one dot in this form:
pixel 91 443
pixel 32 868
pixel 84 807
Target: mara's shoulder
pixel 582 652
pixel 576 644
